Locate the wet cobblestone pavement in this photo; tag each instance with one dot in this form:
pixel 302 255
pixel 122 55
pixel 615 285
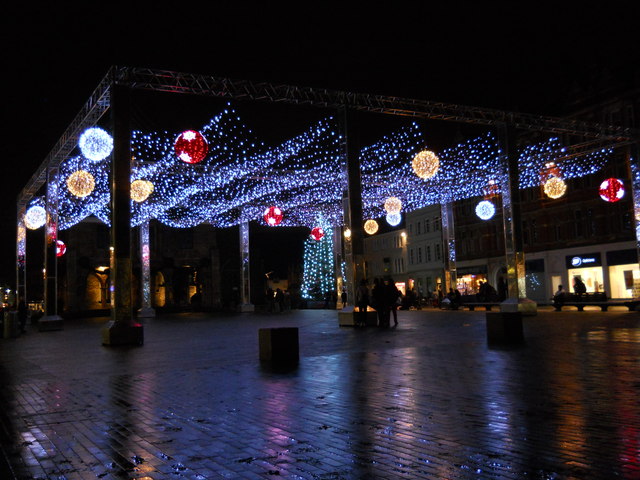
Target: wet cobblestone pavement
pixel 428 399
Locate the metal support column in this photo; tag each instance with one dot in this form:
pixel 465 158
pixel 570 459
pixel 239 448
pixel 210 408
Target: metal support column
pixel 21 258
pixel 245 271
pixel 123 329
pixel 514 250
pixel 146 311
pixel 51 319
pixel 354 244
pixel 633 158
pixel 449 246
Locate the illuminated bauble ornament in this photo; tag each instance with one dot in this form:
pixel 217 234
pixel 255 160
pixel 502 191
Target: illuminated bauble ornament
pixel 347 233
pixel 191 147
pixel 61 248
pixel 140 190
pixel 485 210
pixel 555 187
pixel 273 216
pixel 394 219
pixel 425 164
pixel 611 190
pixel 81 183
pixel 95 144
pixel 35 217
pixel 317 233
pixel 393 205
pixel 371 227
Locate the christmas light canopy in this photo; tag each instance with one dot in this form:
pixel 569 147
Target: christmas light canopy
pixel 317 233
pixel 611 190
pixel 191 146
pixel 35 217
pixel 555 187
pixel 425 164
pixel 61 248
pixel 393 205
pixel 81 183
pixel 273 216
pixel 485 210
pixel 95 144
pixel 140 190
pixel 394 219
pixel 371 227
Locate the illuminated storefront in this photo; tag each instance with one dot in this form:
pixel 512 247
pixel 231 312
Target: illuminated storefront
pixel 469 279
pixel 624 275
pixel 588 268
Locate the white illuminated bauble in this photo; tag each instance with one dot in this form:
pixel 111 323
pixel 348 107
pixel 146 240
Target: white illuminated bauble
pixel 371 227
pixel 347 233
pixel 140 190
pixel 81 183
pixel 35 217
pixel 485 210
pixel 95 144
pixel 394 219
pixel 425 164
pixel 393 205
pixel 555 187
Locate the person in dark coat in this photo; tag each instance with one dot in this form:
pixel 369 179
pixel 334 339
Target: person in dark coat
pixel 362 302
pixel 378 300
pixel 391 294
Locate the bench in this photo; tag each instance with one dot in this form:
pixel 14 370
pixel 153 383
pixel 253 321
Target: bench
pixel 594 300
pixel 487 305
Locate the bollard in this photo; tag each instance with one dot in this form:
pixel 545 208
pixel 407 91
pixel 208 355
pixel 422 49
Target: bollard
pixel 279 345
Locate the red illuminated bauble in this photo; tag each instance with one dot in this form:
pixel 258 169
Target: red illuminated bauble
pixel 61 248
pixel 273 216
pixel 191 147
pixel 317 233
pixel 611 190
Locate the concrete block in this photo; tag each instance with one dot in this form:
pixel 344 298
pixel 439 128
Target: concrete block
pixel 279 344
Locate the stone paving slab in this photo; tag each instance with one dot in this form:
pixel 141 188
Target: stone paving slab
pixel 428 399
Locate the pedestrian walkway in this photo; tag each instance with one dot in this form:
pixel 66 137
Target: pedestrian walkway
pixel 426 400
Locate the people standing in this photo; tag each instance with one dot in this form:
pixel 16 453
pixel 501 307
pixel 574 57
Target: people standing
pixel 392 295
pixel 362 302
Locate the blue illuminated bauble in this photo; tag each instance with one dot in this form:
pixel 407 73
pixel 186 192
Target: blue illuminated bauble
pixel 191 147
pixel 61 248
pixel 35 217
pixel 273 216
pixel 95 144
pixel 485 210
pixel 611 190
pixel 394 219
pixel 317 233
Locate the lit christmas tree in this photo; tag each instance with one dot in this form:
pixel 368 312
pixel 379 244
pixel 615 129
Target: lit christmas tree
pixel 318 276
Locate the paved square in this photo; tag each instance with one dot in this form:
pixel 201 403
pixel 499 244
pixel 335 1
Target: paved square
pixel 428 399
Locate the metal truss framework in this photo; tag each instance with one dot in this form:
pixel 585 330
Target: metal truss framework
pixel 206 85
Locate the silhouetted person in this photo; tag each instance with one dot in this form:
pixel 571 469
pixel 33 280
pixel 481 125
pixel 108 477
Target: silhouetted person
pixel 362 302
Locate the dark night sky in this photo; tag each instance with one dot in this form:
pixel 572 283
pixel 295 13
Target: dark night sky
pixel 508 58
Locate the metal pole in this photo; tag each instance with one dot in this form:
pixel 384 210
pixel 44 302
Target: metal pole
pixel 514 250
pixel 245 271
pixel 449 246
pixel 633 159
pixel 21 257
pixel 146 311
pixel 51 320
pixel 122 330
pixel 354 245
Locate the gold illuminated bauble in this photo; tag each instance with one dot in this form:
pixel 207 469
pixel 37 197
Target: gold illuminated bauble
pixel 81 183
pixel 140 190
pixel 371 227
pixel 393 205
pixel 555 187
pixel 425 164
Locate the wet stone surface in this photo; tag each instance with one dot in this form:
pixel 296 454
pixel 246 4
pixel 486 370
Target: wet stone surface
pixel 428 399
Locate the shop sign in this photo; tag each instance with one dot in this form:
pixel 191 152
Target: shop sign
pixel 584 261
